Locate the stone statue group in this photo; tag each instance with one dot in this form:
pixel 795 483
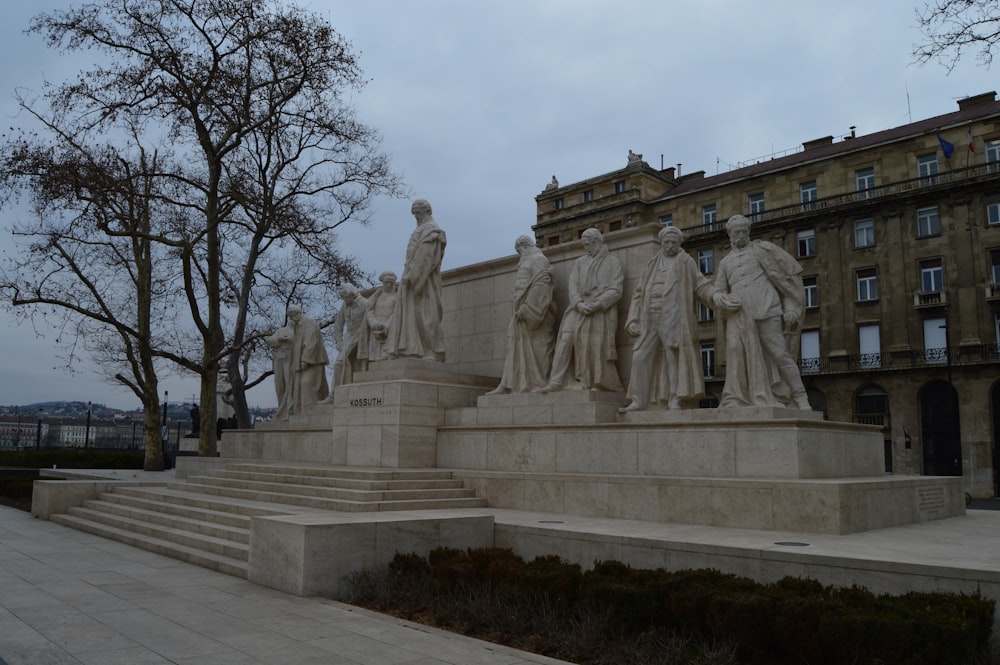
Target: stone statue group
pixel 757 289
pixel 400 319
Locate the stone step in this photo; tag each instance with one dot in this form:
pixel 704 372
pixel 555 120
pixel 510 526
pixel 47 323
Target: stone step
pixel 178 495
pixel 352 473
pixel 168 507
pixel 291 477
pixel 179 536
pixel 323 503
pixel 291 487
pixel 152 515
pixel 193 555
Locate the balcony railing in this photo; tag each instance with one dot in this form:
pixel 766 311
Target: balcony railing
pixel 992 291
pixel 878 419
pixel 892 361
pixel 865 196
pixel 929 299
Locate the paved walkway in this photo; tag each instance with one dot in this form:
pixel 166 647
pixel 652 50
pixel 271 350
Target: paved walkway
pixel 71 597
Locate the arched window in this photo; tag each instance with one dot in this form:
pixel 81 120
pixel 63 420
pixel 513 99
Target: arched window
pixel 871 407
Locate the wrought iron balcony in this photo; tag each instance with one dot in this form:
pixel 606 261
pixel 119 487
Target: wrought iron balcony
pixel 894 361
pixel 864 197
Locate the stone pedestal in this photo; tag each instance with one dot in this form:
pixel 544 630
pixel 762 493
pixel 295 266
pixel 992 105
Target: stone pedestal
pixel 390 415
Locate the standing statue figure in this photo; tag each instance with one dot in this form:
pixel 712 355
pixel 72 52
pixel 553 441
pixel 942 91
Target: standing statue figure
pixel 281 363
pixel 375 327
pixel 309 361
pixel 666 361
pixel 530 333
pixel 416 322
pixel 587 332
pixel 763 312
pixel 347 333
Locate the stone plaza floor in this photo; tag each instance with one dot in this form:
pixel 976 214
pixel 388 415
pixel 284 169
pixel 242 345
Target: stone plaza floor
pixel 68 597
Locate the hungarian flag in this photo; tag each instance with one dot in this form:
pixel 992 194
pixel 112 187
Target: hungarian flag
pixel 906 438
pixel 946 147
pixel 972 147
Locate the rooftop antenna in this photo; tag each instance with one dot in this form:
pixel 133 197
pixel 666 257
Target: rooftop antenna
pixel 908 113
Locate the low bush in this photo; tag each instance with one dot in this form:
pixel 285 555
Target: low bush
pixel 614 613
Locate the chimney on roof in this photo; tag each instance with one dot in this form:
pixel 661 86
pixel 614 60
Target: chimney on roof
pixel 678 170
pixel 816 143
pixel 976 100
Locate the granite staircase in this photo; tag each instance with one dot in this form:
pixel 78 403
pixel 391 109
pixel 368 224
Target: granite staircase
pixel 206 520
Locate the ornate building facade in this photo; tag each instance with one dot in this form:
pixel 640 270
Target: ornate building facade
pixel 898 236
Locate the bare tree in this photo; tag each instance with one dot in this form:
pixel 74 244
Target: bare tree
pixel 951 27
pixel 268 157
pixel 90 262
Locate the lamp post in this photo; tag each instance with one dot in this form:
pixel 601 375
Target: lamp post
pixel 86 431
pixel 165 431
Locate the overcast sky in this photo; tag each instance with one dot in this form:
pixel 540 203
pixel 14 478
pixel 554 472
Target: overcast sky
pixel 481 102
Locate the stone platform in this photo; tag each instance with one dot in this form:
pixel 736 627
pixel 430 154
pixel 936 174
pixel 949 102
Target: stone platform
pixel 572 452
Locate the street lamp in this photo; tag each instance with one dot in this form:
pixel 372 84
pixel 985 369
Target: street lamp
pixel 86 432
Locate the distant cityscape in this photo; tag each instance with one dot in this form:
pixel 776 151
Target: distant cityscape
pixel 82 424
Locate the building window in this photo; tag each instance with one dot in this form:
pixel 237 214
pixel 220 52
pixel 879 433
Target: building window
pixel 708 359
pixel 808 193
pixel 708 214
pixel 867 285
pixel 869 345
pixel 809 344
pixel 620 187
pixel 705 313
pixel 928 222
pixel 935 341
pixel 812 292
pixel 864 233
pixel 615 226
pixel 588 196
pixel 553 240
pixel 927 169
pixel 667 220
pixel 706 261
pixel 995 266
pixel 559 204
pixel 756 202
pixel 865 180
pixel 871 406
pixel 931 276
pixel 993 213
pixel 806 242
pixel 992 156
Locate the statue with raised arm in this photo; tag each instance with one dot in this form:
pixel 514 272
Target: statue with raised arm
pixel 378 315
pixel 281 364
pixel 530 332
pixel 347 333
pixel 585 351
pixel 763 311
pixel 309 361
pixel 416 321
pixel 666 360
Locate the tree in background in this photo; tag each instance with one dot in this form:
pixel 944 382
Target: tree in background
pixel 90 258
pixel 261 159
pixel 950 27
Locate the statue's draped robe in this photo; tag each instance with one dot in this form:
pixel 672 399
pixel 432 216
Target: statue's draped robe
pixel 663 307
pixel 767 282
pixel 596 280
pixel 416 321
pixel 530 334
pixel 309 361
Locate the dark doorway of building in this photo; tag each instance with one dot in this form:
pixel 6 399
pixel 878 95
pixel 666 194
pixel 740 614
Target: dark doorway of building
pixel 940 434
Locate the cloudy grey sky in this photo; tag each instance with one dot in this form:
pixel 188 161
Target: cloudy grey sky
pixel 480 103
